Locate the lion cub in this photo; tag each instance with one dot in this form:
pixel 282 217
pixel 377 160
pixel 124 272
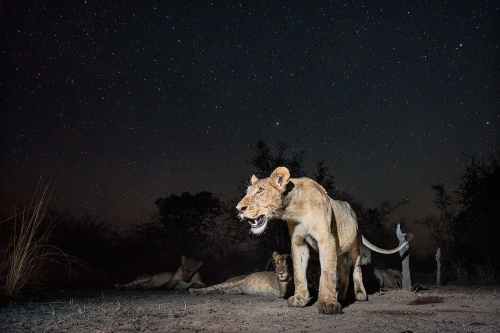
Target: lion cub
pixel 186 276
pixel 278 283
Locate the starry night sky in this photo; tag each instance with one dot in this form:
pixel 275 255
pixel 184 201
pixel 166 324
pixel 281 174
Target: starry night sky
pixel 122 102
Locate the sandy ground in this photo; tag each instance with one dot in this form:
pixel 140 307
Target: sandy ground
pixel 446 309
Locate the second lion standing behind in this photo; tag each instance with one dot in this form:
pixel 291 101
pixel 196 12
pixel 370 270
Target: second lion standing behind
pixel 278 283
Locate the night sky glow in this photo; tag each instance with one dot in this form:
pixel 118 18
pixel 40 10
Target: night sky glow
pixel 127 101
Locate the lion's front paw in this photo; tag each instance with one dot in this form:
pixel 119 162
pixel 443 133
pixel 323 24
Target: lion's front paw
pixel 299 301
pixel 194 291
pixel 331 307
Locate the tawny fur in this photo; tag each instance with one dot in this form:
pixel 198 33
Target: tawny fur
pixel 388 278
pixel 314 220
pixel 236 278
pixel 186 276
pixel 278 283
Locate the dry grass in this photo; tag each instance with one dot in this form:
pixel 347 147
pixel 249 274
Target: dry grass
pixel 475 274
pixel 27 253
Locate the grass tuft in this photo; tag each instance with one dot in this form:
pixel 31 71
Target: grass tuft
pixel 27 254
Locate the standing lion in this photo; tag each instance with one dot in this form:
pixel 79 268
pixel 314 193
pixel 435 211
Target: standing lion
pixel 314 220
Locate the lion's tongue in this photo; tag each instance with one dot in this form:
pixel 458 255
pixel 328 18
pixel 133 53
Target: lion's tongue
pixel 257 222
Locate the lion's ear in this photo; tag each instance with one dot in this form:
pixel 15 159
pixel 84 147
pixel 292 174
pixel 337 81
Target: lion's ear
pixel 253 180
pixel 280 177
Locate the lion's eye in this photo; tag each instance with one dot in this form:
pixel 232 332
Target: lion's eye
pixel 261 190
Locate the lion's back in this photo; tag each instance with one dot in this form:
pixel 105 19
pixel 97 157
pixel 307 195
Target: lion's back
pixel 261 283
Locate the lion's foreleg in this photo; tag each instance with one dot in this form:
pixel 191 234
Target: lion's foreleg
pixel 327 298
pixel 197 282
pixel 300 256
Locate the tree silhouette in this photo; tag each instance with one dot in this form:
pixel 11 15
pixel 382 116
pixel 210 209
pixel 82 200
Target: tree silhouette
pixel 265 162
pixel 185 222
pixel 323 177
pixel 467 229
pixel 476 225
pixel 229 234
pixel 442 227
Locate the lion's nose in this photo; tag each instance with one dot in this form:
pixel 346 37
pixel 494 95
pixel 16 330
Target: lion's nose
pixel 241 208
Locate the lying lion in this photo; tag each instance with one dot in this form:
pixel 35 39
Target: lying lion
pixel 186 276
pixel 314 220
pixel 278 283
pixel 389 278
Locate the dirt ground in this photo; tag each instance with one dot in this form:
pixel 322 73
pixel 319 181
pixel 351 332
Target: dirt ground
pixel 443 309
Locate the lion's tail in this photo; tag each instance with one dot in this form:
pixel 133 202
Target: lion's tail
pixel 220 286
pixel 380 250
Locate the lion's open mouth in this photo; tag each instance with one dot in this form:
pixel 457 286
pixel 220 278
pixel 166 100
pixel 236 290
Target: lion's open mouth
pixel 258 222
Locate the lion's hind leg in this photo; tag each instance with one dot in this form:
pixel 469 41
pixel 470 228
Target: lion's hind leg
pixel 200 291
pixel 234 291
pixel 379 277
pixel 327 297
pixel 359 288
pixel 208 290
pixel 218 288
pixel 343 277
pixel 142 283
